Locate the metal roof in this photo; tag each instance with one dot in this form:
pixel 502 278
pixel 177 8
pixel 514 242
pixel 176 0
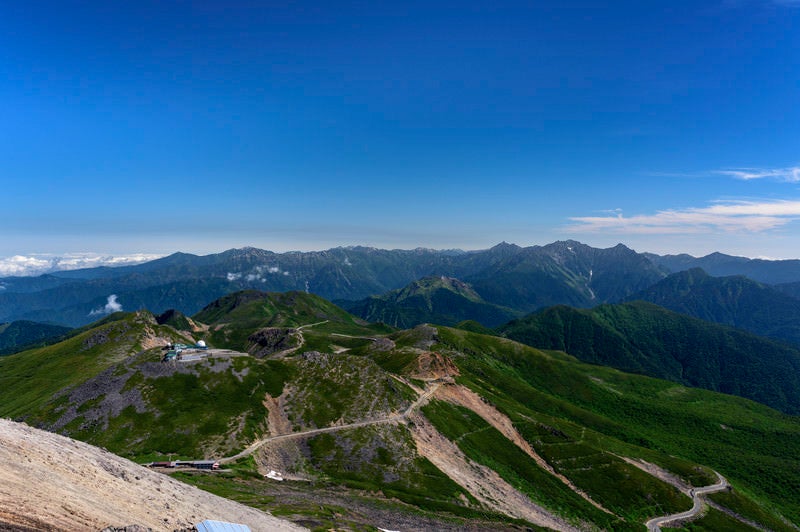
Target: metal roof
pixel 220 526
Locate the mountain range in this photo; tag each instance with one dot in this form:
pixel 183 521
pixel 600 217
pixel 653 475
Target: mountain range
pixel 429 427
pixel 523 279
pixel 443 390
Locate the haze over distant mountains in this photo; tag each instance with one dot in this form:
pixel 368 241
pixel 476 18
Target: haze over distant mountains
pixel 506 275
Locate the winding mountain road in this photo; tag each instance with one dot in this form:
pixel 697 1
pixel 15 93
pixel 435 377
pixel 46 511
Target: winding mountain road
pixel 654 524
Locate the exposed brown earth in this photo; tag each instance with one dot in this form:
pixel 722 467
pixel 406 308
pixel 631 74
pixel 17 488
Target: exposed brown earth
pixel 49 482
pixel 465 397
pixel 480 481
pixel 432 366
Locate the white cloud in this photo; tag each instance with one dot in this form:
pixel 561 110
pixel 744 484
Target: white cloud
pixel 234 276
pixel 273 269
pixel 789 174
pixel 20 265
pixel 724 216
pixel 111 306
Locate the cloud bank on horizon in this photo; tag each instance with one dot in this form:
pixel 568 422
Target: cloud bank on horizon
pixel 23 266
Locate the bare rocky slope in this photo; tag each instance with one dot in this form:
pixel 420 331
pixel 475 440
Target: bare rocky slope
pixel 49 482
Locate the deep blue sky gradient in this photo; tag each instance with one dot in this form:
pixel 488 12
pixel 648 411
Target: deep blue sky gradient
pixel 200 126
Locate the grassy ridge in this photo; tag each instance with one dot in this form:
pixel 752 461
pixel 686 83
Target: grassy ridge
pixel 754 446
pixel 382 458
pixel 29 380
pixel 643 338
pixel 485 445
pixel 201 408
pixel 235 317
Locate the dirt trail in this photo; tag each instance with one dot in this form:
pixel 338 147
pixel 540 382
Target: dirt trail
pixel 482 482
pixel 49 482
pixel 695 493
pixel 465 397
pixel 301 341
pixel 253 447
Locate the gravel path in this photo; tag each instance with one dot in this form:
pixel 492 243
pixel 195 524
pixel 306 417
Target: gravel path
pixel 654 525
pixel 253 447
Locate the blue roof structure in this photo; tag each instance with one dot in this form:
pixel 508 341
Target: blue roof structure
pixel 220 526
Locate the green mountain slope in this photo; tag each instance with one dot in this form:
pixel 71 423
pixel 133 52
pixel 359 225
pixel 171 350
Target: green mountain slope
pixel 442 300
pixel 644 338
pixel 19 335
pixel 650 414
pixel 735 301
pixel 252 320
pixel 31 380
pixel 431 427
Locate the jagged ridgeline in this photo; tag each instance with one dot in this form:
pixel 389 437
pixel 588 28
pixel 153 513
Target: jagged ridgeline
pixel 506 277
pixel 430 427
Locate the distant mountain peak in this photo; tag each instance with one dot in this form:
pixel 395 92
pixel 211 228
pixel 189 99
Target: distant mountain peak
pixel 504 246
pixel 427 285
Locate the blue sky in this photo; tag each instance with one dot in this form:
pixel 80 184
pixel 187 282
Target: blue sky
pixel 200 126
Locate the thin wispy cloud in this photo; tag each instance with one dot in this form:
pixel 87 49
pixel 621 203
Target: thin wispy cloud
pixel 790 174
pixel 721 216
